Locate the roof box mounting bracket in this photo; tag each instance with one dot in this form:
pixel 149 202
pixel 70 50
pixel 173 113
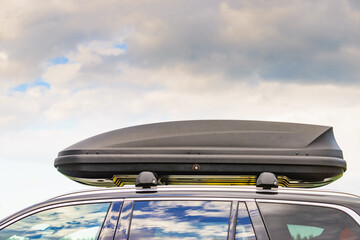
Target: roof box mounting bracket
pixel 267 180
pixel 146 180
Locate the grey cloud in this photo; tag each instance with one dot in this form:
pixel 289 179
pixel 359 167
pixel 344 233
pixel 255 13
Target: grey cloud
pixel 298 41
pixel 291 41
pixel 48 29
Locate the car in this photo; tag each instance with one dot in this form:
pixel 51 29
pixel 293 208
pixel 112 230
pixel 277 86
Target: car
pixel 202 179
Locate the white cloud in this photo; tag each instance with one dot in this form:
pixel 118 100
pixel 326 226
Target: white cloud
pixel 3 58
pixel 92 53
pixel 61 74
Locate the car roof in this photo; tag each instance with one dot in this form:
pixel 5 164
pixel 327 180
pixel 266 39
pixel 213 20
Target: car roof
pixel 202 192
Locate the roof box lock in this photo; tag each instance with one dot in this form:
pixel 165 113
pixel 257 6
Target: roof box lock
pixel 267 180
pixel 146 180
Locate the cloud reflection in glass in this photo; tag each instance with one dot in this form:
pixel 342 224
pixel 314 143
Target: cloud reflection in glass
pixel 64 223
pixel 180 220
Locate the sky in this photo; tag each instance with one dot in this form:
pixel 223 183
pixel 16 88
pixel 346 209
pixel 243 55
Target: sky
pixel 71 69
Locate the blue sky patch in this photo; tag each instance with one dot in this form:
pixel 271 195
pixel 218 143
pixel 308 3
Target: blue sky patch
pixel 25 86
pixel 121 46
pixel 40 83
pixel 59 60
pixel 20 88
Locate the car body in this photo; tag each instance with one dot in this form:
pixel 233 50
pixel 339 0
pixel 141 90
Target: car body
pixel 212 161
pixel 174 212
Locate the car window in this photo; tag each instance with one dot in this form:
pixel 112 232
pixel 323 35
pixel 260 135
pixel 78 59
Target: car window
pixel 62 223
pixel 180 220
pixel 244 229
pixel 302 222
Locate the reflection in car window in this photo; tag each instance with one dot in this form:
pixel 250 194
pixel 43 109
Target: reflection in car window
pixel 180 220
pixel 307 232
pixel 301 222
pixel 63 223
pixel 244 229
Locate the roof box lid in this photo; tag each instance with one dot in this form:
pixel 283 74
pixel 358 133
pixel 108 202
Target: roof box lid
pixel 303 155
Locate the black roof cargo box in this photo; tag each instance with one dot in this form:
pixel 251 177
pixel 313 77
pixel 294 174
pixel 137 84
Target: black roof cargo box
pixel 207 151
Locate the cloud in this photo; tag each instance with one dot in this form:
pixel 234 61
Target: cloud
pixel 273 40
pixel 277 41
pixel 93 52
pixel 61 74
pixel 3 57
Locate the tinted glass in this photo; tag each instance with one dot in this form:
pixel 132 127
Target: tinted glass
pixel 63 223
pixel 180 220
pixel 301 222
pixel 244 229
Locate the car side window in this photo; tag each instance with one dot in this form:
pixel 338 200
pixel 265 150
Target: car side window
pixel 180 220
pixel 63 223
pixel 303 222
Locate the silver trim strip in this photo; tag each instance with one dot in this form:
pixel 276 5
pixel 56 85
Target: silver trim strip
pixel 348 211
pixel 96 192
pixel 159 189
pixel 189 199
pixel 316 192
pixel 130 189
pixel 56 206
